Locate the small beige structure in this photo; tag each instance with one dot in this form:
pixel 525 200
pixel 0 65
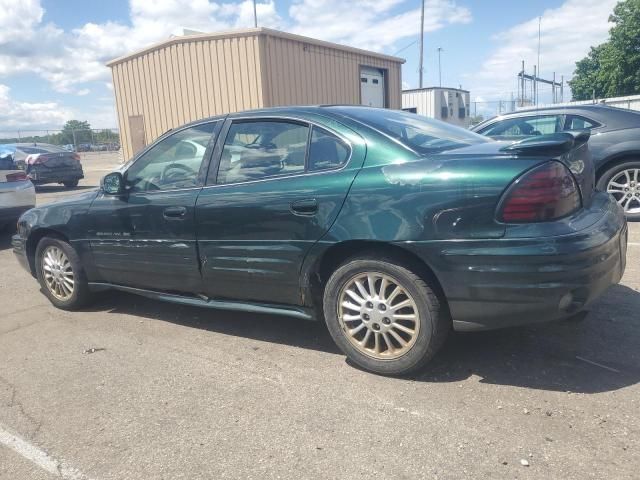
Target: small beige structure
pixel 450 105
pixel 196 76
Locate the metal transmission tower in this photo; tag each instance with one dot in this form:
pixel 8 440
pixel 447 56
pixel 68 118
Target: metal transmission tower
pixel 528 92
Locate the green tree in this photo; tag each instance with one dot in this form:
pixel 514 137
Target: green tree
pixel 612 68
pixel 76 130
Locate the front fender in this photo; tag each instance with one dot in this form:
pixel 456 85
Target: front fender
pixel 67 218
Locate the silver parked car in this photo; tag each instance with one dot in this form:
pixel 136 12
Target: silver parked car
pixel 17 193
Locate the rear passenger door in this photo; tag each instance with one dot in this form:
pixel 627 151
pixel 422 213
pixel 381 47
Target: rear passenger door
pixel 278 186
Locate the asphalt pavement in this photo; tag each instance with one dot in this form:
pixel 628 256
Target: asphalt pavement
pixel 132 388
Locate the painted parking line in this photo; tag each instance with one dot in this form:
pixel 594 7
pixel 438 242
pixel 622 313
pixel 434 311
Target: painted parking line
pixel 39 457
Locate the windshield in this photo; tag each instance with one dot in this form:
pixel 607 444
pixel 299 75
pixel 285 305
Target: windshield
pixel 421 134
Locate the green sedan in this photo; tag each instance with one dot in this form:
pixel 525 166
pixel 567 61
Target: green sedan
pixel 392 228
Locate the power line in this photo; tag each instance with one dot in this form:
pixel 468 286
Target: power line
pixel 405 47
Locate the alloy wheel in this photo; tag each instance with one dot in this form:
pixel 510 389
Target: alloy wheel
pixel 378 315
pixel 57 273
pixel 625 187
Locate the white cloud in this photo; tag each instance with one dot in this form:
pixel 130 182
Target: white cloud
pixel 69 60
pixel 371 24
pixel 567 33
pixel 15 115
pixel 16 18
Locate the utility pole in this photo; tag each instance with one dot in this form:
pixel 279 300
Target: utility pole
pixel 421 43
pixel 535 85
pixel 538 69
pixel 562 88
pixel 522 92
pixel 439 66
pixel 255 15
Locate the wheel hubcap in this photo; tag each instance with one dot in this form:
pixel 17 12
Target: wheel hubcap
pixel 378 315
pixel 57 273
pixel 625 188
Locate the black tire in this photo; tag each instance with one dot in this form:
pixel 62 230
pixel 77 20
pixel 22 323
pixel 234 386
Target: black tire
pixel 611 173
pixel 433 316
pixel 71 183
pixel 80 294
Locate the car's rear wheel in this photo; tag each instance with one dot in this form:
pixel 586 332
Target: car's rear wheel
pixel 384 317
pixel 623 182
pixel 60 274
pixel 71 183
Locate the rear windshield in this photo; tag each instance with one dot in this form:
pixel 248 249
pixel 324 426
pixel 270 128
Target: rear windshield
pixel 421 134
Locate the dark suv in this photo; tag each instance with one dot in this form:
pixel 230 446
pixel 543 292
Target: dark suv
pixel 614 142
pixel 46 163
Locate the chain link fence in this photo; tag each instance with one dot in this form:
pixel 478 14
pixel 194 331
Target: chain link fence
pixel 90 140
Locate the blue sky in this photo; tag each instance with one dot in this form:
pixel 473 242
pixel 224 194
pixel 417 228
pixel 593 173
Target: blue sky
pixel 52 52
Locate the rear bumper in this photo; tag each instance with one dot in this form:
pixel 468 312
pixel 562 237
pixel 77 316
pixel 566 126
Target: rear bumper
pixel 510 282
pixel 15 199
pixel 40 175
pixel 11 214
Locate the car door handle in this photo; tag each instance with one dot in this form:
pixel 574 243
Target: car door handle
pixel 174 213
pixel 307 206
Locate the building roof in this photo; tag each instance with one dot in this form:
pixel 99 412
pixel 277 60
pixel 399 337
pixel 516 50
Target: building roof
pixel 248 33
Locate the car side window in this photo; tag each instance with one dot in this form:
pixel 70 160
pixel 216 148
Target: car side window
pixel 326 151
pixel 254 150
pixel 575 122
pixel 525 126
pixel 172 163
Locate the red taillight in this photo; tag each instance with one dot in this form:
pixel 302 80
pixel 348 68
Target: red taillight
pixel 76 156
pixel 16 177
pixel 547 192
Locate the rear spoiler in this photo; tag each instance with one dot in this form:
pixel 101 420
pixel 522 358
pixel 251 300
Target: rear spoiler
pixel 552 144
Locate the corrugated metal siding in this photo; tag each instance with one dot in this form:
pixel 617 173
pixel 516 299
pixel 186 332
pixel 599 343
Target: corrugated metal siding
pixel 423 101
pixel 430 102
pixel 301 73
pixel 187 81
pixel 192 78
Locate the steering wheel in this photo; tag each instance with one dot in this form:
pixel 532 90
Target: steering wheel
pixel 167 175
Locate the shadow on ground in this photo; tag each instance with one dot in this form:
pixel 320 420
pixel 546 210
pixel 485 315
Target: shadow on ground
pixel 553 356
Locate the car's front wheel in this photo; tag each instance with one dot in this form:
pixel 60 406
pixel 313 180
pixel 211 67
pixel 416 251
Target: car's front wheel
pixel 60 274
pixel 623 182
pixel 71 183
pixel 384 317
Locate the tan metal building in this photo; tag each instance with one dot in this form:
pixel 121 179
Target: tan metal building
pixel 191 77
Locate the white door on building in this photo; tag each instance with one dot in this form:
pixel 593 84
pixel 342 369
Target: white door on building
pixel 372 87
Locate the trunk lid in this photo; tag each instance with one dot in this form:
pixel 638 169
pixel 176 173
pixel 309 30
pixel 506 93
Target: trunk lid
pixel 571 148
pixel 53 159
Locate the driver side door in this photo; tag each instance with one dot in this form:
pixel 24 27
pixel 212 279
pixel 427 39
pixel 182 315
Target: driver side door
pixel 145 238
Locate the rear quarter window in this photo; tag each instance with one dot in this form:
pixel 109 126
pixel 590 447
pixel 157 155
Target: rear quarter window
pixel 577 122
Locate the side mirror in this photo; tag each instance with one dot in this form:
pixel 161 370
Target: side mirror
pixel 112 184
